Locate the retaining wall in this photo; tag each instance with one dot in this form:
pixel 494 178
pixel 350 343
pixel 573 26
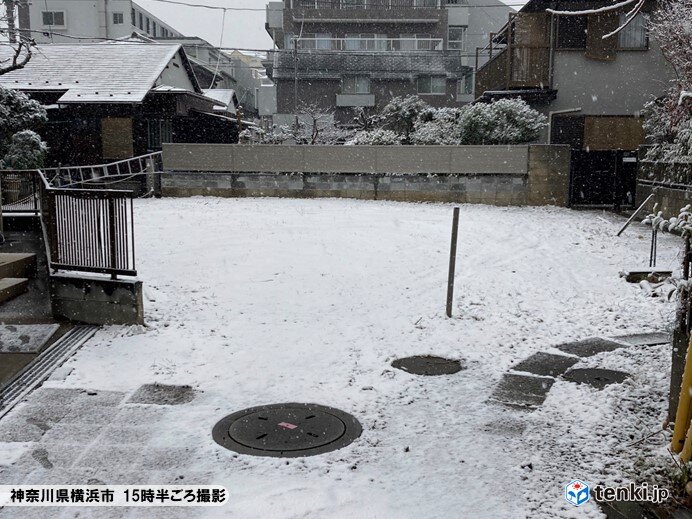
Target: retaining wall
pixel 498 175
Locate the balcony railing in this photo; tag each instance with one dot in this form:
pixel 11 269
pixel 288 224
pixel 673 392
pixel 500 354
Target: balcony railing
pixel 371 44
pixel 367 4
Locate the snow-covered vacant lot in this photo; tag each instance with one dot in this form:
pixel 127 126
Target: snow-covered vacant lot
pixel 258 301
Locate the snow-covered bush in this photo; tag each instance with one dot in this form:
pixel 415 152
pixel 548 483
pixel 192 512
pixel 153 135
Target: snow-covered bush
pixel 375 137
pixel 508 121
pixel 18 116
pixel 400 115
pixel 26 151
pixel 18 112
pixel 438 126
pixel 668 121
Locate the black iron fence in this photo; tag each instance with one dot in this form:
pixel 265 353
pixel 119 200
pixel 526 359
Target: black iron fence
pixel 85 230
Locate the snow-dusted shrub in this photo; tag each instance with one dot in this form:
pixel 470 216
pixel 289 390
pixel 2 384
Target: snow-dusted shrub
pixel 437 126
pixel 26 151
pixel 18 112
pixel 508 121
pixel 375 137
pixel 400 115
pixel 668 121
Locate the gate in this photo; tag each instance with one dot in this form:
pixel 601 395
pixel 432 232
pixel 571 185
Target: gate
pixel 603 178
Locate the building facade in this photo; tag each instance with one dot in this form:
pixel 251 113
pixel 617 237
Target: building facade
pixel 67 21
pixel 130 100
pixel 592 89
pixel 343 55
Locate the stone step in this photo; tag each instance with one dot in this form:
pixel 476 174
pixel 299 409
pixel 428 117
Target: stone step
pixel 12 287
pixel 17 265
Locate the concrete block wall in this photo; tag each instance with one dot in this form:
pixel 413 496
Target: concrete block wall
pixel 497 175
pixel 670 183
pixel 96 301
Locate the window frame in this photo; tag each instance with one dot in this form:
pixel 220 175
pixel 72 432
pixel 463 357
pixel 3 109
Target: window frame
pixel 52 15
pixel 356 81
pixel 464 29
pixel 432 80
pixel 645 18
pixel 118 18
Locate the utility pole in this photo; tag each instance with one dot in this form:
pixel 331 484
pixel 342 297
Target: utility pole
pixel 11 26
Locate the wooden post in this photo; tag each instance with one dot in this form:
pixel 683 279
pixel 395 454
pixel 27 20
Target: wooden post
pixel 452 261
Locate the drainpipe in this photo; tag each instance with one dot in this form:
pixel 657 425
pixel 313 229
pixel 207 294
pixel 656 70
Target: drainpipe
pixel 105 15
pixel 550 120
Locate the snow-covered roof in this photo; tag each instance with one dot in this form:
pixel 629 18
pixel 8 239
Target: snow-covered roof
pixel 222 95
pixel 92 73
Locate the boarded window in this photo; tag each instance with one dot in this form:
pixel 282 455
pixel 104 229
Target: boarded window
pixel 116 138
pixel 613 133
pixel 596 46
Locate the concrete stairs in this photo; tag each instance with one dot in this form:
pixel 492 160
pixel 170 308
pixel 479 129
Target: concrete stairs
pixel 15 271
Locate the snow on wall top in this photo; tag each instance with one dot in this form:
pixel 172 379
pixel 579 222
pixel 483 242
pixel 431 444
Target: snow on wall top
pixel 92 73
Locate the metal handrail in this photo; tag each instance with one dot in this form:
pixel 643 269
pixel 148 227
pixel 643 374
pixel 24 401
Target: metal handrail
pixel 373 44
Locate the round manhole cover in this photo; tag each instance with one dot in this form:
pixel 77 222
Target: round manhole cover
pixel 428 365
pixel 596 377
pixel 287 430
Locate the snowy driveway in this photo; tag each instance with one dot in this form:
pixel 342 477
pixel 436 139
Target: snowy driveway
pixel 258 301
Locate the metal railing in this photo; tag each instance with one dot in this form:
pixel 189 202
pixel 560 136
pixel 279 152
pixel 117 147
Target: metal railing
pixel 367 4
pixel 89 230
pixel 85 230
pixel 372 44
pixel 18 192
pixel 84 175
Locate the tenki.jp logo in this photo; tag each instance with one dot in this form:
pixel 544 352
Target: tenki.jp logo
pixel 577 492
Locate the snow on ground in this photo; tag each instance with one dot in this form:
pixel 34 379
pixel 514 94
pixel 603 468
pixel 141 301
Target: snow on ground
pixel 258 301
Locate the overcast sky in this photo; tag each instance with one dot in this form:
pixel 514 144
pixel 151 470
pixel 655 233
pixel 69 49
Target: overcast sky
pixel 242 29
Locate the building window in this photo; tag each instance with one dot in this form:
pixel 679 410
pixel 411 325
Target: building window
pixel 425 3
pixel 141 21
pixel 355 85
pixel 54 18
pixel 322 41
pixel 417 42
pixel 571 32
pixel 634 35
pixel 160 131
pixel 148 26
pixel 465 85
pixel 118 18
pixel 133 14
pixel 153 29
pixel 432 85
pixel 456 37
pixel 365 41
pixel 353 4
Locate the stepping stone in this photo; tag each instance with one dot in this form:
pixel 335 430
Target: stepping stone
pixel 160 394
pixel 546 364
pixel 522 390
pixel 25 338
pixel 645 339
pixel 428 365
pixel 590 347
pixel 596 377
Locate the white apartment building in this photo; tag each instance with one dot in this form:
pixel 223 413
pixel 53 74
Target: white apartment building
pixel 71 21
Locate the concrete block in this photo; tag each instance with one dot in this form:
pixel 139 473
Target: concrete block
pixel 97 300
